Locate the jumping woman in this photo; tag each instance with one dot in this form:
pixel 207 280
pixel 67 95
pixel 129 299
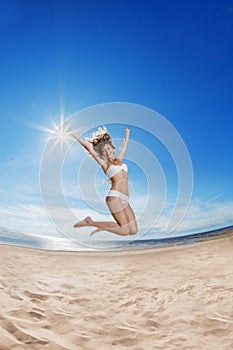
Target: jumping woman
pixel 100 147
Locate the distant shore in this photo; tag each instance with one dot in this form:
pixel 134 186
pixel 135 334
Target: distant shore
pixel 170 297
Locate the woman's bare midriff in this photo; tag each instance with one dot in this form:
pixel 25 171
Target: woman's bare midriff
pixel 120 183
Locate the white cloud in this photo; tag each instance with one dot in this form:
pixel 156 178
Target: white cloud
pixel 32 218
pixel 26 218
pixel 21 207
pixel 201 216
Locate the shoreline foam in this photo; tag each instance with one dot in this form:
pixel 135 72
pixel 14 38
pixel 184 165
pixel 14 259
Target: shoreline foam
pixel 131 245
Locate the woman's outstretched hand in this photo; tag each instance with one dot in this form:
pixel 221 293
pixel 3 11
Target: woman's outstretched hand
pixel 87 145
pixel 77 138
pixel 126 129
pixel 71 132
pixel 127 132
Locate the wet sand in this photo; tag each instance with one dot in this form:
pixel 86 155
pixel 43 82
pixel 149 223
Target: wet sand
pixel 177 297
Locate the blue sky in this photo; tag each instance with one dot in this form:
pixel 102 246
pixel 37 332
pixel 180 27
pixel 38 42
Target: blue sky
pixel 175 57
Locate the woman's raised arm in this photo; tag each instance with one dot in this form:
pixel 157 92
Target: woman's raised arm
pixel 89 147
pixel 123 148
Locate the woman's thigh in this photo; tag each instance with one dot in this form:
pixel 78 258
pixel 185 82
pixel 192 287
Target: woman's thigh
pixel 131 218
pixel 129 212
pixel 117 209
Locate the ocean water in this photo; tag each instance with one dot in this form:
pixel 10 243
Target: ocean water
pixel 10 237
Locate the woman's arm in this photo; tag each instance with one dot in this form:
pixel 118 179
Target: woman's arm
pixel 88 146
pixel 123 148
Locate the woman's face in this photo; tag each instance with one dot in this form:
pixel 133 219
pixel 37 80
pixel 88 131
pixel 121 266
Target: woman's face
pixel 108 151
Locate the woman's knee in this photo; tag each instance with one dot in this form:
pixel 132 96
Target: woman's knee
pixel 133 229
pixel 126 230
pixel 129 229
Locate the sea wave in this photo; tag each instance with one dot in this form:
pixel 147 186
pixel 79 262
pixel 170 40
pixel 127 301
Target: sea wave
pixel 16 238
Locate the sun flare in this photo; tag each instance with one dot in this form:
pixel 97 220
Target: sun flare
pixel 59 134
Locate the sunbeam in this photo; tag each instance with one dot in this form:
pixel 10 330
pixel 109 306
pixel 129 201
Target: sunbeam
pixel 60 134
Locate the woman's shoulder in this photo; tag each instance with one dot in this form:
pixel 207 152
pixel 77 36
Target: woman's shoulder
pixel 117 161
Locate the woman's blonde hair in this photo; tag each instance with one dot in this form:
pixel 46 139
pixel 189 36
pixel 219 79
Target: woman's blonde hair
pixel 99 139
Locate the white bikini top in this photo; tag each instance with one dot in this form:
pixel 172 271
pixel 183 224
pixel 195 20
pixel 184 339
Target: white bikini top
pixel 114 169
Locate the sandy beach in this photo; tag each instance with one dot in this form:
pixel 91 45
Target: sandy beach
pixel 178 297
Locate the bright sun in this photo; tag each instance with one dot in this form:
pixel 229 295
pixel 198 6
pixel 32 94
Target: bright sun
pixel 59 134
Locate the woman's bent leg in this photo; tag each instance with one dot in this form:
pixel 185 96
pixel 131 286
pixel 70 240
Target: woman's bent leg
pixel 122 226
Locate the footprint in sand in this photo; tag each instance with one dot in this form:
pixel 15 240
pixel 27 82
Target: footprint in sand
pixel 12 328
pixel 37 315
pixel 36 296
pixel 126 341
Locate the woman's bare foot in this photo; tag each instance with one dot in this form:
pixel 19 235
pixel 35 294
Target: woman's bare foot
pixel 86 222
pixel 95 231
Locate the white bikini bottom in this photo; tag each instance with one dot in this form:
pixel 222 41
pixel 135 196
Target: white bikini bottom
pixel 122 196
